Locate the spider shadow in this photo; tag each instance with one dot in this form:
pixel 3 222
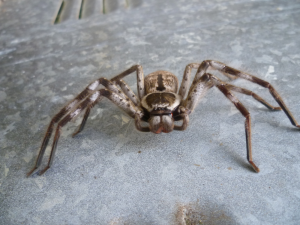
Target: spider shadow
pixel 275 124
pixel 238 158
pixel 112 128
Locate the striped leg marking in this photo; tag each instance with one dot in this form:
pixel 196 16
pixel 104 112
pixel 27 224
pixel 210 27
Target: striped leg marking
pixel 239 74
pixel 199 89
pixel 88 103
pixel 79 101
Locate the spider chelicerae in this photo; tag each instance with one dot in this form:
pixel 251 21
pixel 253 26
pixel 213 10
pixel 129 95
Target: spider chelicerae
pixel 159 103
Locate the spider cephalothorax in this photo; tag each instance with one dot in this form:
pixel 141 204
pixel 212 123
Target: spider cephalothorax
pixel 159 102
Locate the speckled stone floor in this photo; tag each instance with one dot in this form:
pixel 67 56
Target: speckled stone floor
pixel 113 174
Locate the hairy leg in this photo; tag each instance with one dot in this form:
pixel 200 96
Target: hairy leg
pixel 211 64
pixel 125 88
pixel 200 88
pixel 79 98
pixel 88 103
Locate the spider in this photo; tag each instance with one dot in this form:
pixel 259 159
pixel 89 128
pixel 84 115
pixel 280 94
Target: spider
pixel 159 103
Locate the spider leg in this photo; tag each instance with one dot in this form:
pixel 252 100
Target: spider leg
pixel 140 78
pixel 86 92
pixel 127 93
pixel 185 122
pixel 138 124
pixel 197 91
pixel 250 93
pixel 246 114
pixel 107 84
pixel 49 131
pixel 88 103
pixel 82 124
pixel 239 74
pixel 186 78
pixel 127 90
pixel 201 69
pixel 62 123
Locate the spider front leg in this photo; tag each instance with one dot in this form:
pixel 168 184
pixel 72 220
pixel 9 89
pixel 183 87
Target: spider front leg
pixel 64 111
pixel 205 65
pixel 87 104
pixel 197 91
pixel 125 88
pixel 250 93
pixel 246 114
pixel 67 109
pixel 83 95
pixel 201 68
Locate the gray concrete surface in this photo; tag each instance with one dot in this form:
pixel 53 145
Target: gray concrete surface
pixel 113 174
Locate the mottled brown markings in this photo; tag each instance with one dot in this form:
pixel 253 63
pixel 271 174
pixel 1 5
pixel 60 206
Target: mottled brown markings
pixel 246 114
pixel 234 100
pixel 170 82
pixel 150 83
pixel 197 91
pixel 55 120
pixel 250 93
pixel 83 94
pixel 83 122
pixel 74 103
pixel 128 92
pixel 61 123
pixel 226 69
pixel 160 99
pixel 208 80
pixel 230 70
pixel 161 82
pixel 140 76
pixel 186 80
pixel 260 82
pixel 160 86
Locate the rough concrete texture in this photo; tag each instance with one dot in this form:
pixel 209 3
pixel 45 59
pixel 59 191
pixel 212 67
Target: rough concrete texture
pixel 113 174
